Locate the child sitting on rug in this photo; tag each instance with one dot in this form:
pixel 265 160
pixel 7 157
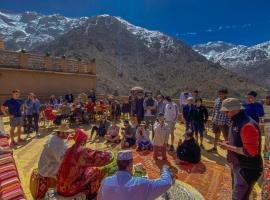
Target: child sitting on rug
pixel 142 138
pixel 189 150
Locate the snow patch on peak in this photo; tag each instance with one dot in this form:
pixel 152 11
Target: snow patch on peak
pixel 234 56
pixel 150 37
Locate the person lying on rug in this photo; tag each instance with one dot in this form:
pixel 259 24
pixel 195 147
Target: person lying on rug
pixel 129 135
pixel 142 138
pixel 79 172
pixel 123 186
pixel 50 160
pixel 113 133
pixel 189 150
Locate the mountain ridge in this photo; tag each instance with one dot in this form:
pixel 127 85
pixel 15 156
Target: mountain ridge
pixel 252 61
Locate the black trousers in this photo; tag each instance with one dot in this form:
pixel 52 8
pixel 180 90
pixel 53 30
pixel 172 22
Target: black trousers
pixel 32 122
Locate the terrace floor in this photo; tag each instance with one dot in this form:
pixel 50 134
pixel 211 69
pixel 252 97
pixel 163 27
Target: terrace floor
pixel 211 177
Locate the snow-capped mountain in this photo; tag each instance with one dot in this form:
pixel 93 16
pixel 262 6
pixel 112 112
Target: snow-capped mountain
pixel 234 56
pixel 126 54
pixel 29 29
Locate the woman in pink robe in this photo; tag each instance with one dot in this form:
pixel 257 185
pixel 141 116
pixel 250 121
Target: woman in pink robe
pixel 79 170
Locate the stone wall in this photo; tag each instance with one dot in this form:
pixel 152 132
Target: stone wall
pixel 45 62
pixel 43 83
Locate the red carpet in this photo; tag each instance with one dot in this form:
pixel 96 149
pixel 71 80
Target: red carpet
pixel 213 181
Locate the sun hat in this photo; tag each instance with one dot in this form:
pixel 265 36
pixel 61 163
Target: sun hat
pixel 231 104
pixel 64 128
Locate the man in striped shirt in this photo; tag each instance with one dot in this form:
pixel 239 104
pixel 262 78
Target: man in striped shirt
pixel 220 121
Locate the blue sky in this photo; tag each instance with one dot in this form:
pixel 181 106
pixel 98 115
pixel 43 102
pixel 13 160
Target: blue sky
pixel 193 21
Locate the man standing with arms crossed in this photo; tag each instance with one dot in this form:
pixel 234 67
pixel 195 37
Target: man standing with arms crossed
pixel 13 108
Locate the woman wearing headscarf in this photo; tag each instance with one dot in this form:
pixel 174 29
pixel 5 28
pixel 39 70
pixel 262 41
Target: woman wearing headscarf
pixel 79 170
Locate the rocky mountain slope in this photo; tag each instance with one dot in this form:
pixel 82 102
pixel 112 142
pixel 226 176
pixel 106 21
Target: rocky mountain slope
pixel 253 61
pixel 129 55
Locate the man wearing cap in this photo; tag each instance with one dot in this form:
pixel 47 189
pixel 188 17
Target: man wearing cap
pixel 50 160
pixel 123 186
pixel 161 137
pixel 220 122
pixel 244 149
pixel 253 108
pixel 171 114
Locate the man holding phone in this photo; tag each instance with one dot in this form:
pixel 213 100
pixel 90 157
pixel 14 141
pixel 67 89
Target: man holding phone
pixel 244 149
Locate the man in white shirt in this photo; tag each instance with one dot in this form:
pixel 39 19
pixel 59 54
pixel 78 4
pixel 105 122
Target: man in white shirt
pixel 53 152
pixel 171 114
pixel 161 137
pixel 49 162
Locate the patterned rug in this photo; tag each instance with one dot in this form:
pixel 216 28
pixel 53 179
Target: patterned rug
pixel 10 184
pixel 211 180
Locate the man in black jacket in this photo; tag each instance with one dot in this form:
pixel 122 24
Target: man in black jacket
pixel 198 117
pixel 189 150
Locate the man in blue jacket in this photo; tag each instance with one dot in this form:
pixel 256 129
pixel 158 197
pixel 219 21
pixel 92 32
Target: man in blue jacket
pixel 253 108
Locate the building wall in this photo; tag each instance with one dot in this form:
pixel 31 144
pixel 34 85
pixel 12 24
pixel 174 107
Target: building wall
pixel 43 83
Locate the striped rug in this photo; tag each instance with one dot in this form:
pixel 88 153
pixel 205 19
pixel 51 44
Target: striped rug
pixel 10 184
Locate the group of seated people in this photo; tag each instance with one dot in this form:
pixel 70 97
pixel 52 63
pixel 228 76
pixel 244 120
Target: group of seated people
pixel 138 136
